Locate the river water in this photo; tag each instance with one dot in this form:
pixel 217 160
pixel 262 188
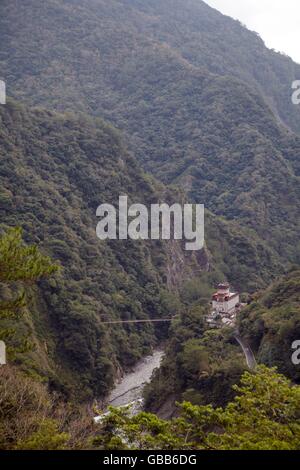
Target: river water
pixel 130 388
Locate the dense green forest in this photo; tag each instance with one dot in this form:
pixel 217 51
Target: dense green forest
pixel 96 48
pixel 263 415
pixel 55 170
pixel 263 412
pixel 30 417
pixel 201 100
pixel 193 111
pixel 202 364
pixel 163 101
pixel 272 323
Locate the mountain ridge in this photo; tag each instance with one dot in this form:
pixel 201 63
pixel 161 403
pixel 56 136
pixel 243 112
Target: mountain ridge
pixel 187 114
pixel 194 93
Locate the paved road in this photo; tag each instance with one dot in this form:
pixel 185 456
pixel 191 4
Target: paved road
pixel 251 362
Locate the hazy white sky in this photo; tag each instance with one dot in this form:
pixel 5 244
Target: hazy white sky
pixel 277 21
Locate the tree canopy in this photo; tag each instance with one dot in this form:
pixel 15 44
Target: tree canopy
pixel 264 415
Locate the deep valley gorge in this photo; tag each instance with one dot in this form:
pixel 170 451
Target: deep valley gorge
pixel 167 102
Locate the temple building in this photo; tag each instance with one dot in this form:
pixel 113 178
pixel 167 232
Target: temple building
pixel 225 302
pixel 225 307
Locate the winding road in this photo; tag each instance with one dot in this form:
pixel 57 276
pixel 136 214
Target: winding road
pixel 251 362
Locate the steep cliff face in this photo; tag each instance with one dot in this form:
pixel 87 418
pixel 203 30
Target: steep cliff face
pixel 55 171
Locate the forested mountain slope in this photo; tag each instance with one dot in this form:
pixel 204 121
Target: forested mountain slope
pixel 55 169
pixel 197 95
pixel 116 33
pixel 202 364
pixel 271 324
pixel 206 38
pixel 100 91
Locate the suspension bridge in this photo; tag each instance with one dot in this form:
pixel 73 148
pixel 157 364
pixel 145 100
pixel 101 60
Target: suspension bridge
pixel 154 320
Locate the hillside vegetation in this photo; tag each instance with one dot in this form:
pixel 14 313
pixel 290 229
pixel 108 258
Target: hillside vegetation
pixel 263 415
pixel 55 171
pixel 202 364
pixel 271 324
pixel 101 92
pixel 203 102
